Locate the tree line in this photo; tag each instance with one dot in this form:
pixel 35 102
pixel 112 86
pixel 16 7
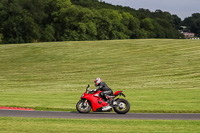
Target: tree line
pixel 26 21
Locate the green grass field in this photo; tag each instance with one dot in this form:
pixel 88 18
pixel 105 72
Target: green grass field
pixel 157 75
pixel 41 125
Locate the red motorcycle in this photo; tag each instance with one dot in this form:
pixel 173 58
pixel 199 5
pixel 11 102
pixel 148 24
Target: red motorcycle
pixel 92 100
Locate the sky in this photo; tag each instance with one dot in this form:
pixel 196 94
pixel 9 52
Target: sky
pixel 182 8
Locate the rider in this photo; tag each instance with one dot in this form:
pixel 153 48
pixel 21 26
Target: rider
pixel 102 86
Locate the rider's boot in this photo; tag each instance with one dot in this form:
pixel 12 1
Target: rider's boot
pixel 109 106
pixel 106 108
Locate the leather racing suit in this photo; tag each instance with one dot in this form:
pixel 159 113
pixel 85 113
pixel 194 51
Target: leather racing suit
pixel 106 91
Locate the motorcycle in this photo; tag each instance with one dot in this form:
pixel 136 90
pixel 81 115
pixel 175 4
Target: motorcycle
pixel 92 100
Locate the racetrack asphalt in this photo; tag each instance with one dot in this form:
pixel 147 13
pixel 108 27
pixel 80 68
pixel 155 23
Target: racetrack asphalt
pixel 76 115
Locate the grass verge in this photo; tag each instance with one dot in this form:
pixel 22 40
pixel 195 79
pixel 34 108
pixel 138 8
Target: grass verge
pixel 33 125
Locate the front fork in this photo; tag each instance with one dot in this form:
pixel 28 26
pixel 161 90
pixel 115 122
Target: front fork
pixel 85 103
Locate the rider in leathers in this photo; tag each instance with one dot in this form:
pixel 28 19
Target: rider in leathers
pixel 102 86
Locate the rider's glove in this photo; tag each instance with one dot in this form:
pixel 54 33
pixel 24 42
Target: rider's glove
pixel 94 90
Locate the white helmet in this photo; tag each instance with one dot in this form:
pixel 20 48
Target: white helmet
pixel 97 81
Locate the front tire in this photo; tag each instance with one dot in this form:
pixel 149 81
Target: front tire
pixel 83 107
pixel 123 106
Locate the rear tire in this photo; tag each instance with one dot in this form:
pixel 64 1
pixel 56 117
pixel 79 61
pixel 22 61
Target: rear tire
pixel 123 106
pixel 83 107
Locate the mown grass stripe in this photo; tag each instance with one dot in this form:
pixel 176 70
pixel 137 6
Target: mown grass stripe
pixel 153 68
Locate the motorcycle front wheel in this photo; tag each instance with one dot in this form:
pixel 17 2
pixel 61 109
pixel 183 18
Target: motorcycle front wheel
pixel 83 106
pixel 123 106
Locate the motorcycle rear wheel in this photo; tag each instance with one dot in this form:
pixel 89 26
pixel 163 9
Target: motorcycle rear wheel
pixel 123 106
pixel 83 107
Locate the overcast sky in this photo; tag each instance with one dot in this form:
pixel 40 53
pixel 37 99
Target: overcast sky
pixel 182 8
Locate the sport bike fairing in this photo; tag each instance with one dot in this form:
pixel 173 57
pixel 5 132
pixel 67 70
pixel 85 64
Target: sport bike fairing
pixel 95 100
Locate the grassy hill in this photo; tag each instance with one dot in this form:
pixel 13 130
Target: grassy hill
pixel 157 75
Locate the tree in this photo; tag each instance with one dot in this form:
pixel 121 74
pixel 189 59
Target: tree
pixel 2 14
pixel 147 24
pixel 158 30
pixel 144 13
pixel 58 20
pixel 176 21
pixel 48 34
pixel 131 24
pixel 193 23
pixel 57 16
pixel 19 27
pixel 35 8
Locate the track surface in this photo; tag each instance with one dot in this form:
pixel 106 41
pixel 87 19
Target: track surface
pixel 75 115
